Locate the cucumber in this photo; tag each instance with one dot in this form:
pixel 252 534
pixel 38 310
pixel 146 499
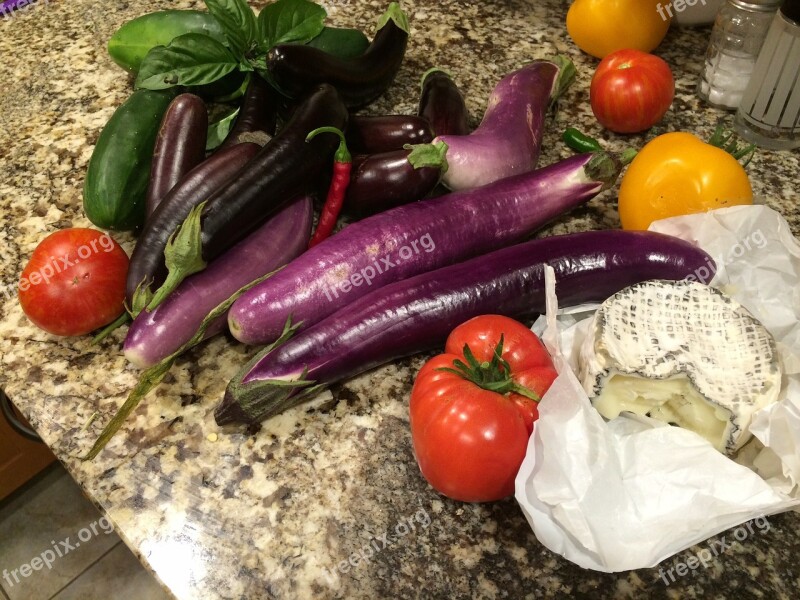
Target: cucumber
pixel 119 169
pixel 131 42
pixel 341 42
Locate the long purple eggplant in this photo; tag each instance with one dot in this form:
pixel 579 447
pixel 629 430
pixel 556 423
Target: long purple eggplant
pixel 417 314
pixel 147 261
pixel 413 239
pixel 156 334
pixel 297 68
pixel 258 112
pixel 180 147
pixel 509 138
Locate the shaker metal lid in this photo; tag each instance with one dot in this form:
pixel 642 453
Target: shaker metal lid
pixel 791 10
pixel 758 5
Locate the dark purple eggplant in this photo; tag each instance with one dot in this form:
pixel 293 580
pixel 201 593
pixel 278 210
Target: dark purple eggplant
pixel 442 104
pixel 296 69
pixel 180 147
pixel 386 133
pixel 413 239
pixel 156 334
pixel 258 112
pixel 417 314
pixel 147 261
pixel 379 182
pixel 285 167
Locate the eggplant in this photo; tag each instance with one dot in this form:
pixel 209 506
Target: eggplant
pixel 386 133
pixel 258 112
pixel 417 314
pixel 180 147
pixel 285 167
pixel 442 104
pixel 296 69
pixel 156 334
pixel 413 239
pixel 147 260
pixel 379 182
pixel 509 138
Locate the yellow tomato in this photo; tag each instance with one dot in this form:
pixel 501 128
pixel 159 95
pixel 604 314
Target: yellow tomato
pixel 679 174
pixel 600 27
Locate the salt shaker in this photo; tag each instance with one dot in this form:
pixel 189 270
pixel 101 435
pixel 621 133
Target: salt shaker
pixel 739 31
pixel 769 114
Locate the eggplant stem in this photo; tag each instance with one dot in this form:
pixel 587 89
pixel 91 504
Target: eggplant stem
pixel 116 324
pixel 428 155
pixel 151 377
pixel 723 138
pixel 255 401
pixel 183 255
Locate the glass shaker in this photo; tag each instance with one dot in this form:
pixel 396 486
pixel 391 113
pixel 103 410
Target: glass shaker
pixel 739 31
pixel 769 114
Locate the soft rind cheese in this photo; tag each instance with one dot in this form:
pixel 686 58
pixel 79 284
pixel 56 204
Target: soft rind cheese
pixel 683 353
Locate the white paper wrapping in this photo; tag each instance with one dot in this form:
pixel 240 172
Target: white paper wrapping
pixel 628 493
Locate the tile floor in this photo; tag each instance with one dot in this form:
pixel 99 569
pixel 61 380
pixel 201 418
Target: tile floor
pixel 48 510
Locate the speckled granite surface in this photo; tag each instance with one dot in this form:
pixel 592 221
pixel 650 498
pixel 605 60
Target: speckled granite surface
pixel 217 514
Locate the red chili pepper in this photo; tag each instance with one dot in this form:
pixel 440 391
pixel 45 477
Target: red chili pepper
pixel 342 165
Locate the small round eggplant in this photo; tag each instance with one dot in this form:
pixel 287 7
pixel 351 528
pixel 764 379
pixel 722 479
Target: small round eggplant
pixel 379 182
pixel 385 133
pixel 180 147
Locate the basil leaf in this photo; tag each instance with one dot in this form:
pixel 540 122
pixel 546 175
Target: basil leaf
pixel 237 21
pixel 189 59
pixel 290 21
pixel 219 130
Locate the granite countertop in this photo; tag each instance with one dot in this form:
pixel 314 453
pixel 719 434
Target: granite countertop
pixel 217 513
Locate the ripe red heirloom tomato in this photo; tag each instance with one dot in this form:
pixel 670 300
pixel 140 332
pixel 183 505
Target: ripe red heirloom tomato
pixel 472 408
pixel 74 282
pixel 631 91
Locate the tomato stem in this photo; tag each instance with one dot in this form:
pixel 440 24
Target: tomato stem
pixel 494 375
pixel 723 138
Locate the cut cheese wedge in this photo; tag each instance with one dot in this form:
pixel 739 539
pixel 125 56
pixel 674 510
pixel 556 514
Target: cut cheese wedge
pixel 683 353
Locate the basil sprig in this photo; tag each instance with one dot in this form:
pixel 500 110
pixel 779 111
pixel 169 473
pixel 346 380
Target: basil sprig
pixel 196 59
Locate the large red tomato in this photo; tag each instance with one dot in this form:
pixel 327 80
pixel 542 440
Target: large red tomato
pixel 74 282
pixel 631 91
pixel 471 409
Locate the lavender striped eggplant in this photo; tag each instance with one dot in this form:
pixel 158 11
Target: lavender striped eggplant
pixel 413 239
pixel 509 138
pixel 156 334
pixel 417 314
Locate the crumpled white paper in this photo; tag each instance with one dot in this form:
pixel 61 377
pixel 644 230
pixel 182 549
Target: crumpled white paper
pixel 628 493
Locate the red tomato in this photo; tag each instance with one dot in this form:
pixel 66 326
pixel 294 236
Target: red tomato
pixel 631 91
pixel 469 440
pixel 74 282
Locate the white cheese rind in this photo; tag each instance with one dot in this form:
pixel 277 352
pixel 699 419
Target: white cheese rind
pixel 683 353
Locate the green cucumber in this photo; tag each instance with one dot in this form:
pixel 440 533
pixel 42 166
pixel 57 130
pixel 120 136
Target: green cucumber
pixel 341 42
pixel 119 169
pixel 131 42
